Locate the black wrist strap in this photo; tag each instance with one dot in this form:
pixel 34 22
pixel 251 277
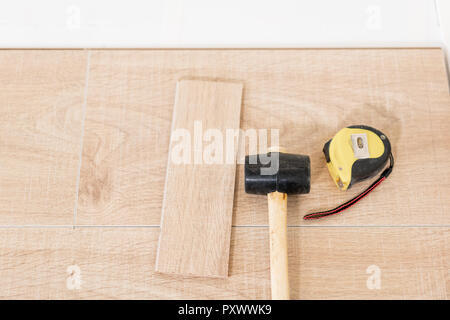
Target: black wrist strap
pixel 351 202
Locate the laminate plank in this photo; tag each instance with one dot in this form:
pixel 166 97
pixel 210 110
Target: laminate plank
pixel 199 191
pixel 41 108
pixel 126 141
pixel 325 263
pixel 307 94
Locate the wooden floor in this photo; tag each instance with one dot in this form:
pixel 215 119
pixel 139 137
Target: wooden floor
pixel 84 137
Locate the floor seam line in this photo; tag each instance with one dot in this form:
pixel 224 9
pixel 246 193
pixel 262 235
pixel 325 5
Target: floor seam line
pixel 237 227
pixel 83 120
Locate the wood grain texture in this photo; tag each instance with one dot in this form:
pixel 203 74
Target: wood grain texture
pixel 198 202
pixel 126 142
pixel 402 92
pixel 41 103
pixel 324 263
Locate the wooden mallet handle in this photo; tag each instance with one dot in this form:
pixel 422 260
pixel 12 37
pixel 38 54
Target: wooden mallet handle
pixel 278 245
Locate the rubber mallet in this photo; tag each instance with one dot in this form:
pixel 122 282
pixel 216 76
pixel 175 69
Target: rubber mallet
pixel 277 174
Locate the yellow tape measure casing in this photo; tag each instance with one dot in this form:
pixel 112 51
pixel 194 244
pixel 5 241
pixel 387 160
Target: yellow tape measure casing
pixel 356 153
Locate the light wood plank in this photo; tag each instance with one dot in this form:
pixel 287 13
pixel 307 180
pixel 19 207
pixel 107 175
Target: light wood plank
pixel 126 142
pixel 41 103
pixel 198 196
pixel 308 94
pixel 324 263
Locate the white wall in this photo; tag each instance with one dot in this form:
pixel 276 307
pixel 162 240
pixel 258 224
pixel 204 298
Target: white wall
pixel 225 23
pixel 443 9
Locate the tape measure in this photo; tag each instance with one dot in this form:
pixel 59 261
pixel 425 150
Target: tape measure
pixel 354 154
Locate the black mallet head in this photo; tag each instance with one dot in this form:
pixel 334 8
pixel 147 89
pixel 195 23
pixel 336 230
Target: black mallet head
pixel 277 171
